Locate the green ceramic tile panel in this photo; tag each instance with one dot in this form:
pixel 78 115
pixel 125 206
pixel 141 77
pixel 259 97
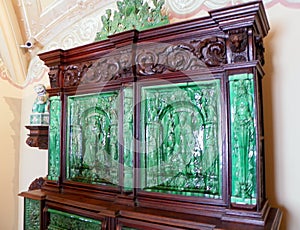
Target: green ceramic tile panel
pixel 31 214
pixel 54 139
pixel 65 221
pixel 128 138
pixel 92 138
pixel 39 119
pixel 243 139
pixel 181 127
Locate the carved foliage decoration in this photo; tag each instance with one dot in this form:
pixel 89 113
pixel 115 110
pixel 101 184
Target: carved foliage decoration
pixel 212 51
pixel 74 73
pixel 185 56
pixel 154 59
pixel 104 69
pixel 37 184
pixel 109 68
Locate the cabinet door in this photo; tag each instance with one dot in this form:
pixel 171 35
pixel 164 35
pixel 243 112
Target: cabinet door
pixel 92 138
pixel 181 150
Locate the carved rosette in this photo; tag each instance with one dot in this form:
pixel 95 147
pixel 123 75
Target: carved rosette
pixel 212 51
pixel 238 45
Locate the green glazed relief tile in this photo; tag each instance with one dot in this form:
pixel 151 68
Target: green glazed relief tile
pixel 92 138
pixel 243 139
pixel 54 139
pixel 128 138
pixel 32 214
pixel 181 150
pixel 65 221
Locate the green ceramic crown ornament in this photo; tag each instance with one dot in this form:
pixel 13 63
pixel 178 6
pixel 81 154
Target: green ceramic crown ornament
pixel 132 14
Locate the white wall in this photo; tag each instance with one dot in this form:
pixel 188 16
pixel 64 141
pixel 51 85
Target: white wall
pixel 33 161
pixel 282 112
pixel 10 110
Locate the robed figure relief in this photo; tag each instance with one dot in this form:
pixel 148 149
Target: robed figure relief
pixel 182 139
pixel 243 139
pixel 93 154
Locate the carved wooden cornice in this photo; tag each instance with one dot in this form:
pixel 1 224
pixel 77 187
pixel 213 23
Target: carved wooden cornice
pixel 230 37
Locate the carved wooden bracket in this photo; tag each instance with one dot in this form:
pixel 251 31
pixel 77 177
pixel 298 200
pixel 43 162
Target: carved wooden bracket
pixel 38 136
pixel 36 184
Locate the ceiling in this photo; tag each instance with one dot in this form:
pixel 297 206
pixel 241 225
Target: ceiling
pixel 52 24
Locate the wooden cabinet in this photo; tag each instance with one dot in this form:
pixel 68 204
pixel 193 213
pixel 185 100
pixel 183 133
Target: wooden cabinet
pixel 160 129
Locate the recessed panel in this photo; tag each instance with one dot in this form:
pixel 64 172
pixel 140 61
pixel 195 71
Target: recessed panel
pixel 181 150
pixel 92 138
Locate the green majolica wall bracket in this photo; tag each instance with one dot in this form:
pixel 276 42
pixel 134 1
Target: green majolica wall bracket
pixel 132 14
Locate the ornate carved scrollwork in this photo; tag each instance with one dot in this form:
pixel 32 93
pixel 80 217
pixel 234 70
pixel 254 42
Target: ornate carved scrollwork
pixel 156 60
pixel 181 57
pixel 73 74
pixel 212 51
pixel 148 63
pixel 185 56
pixel 105 69
pixel 102 70
pixel 238 44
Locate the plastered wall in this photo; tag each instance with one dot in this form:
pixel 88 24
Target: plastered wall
pixel 10 110
pixel 282 112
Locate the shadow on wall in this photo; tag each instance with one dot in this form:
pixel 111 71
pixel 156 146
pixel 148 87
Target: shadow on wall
pixel 270 153
pixel 15 108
